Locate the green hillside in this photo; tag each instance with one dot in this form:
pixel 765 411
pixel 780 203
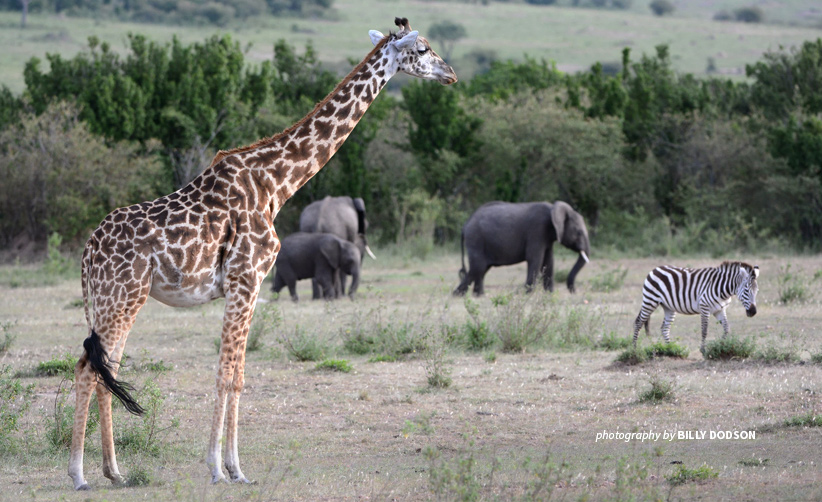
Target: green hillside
pixel 573 37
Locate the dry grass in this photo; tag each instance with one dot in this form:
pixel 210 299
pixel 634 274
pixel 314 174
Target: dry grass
pixel 329 435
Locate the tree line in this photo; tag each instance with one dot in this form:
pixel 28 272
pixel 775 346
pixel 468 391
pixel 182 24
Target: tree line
pixel 658 162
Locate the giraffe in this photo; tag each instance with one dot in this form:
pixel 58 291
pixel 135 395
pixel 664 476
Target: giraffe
pixel 215 238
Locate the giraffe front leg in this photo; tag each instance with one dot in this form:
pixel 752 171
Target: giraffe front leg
pixel 232 456
pixel 214 455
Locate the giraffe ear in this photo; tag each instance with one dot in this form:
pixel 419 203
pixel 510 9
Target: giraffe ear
pixel 407 41
pixel 376 36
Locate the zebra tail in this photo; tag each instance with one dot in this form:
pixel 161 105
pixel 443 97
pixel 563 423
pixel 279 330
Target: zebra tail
pixel 99 361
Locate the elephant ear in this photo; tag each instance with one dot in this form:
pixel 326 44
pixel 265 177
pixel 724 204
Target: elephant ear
pixel 331 250
pixel 558 215
pixel 359 205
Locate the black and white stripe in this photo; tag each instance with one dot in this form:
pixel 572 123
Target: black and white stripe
pixel 703 291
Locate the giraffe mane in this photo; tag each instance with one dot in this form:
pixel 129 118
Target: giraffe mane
pixel 222 154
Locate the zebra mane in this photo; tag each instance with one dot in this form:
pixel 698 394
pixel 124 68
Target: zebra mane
pixel 737 264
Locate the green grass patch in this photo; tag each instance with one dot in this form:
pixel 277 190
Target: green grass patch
pixel 661 390
pixel 637 355
pixel 8 336
pixel 611 341
pixel 57 367
pixel 816 358
pixel 138 476
pixel 15 400
pixel 773 355
pixel 807 420
pixel 302 347
pixel 729 348
pixel 609 281
pixel 340 365
pixel 699 475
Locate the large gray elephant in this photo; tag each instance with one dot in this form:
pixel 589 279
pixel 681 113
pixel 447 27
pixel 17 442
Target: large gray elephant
pixel 340 216
pixel 320 257
pixel 503 233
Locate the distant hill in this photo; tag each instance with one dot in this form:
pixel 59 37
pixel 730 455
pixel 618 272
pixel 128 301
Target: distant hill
pixel 573 37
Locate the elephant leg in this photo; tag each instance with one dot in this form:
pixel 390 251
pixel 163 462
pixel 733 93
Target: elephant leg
pixel 279 283
pixel 479 280
pixel 534 267
pixel 292 289
pixel 548 270
pixel 316 292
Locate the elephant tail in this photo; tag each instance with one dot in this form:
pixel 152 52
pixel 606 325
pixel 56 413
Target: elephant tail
pixel 462 271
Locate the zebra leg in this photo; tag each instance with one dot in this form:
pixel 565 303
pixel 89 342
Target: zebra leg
pixel 666 324
pixel 720 316
pixel 642 319
pixel 705 315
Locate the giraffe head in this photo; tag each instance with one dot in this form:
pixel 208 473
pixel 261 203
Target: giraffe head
pixel 410 53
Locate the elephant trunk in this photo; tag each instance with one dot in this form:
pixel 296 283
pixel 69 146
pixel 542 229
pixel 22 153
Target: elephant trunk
pixel 355 282
pixel 581 261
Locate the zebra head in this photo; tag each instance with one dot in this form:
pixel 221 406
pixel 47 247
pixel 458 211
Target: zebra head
pixel 748 288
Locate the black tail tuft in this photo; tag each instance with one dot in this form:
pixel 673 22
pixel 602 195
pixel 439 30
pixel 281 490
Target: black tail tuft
pixel 98 359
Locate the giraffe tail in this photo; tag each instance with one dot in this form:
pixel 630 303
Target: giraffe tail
pixel 99 361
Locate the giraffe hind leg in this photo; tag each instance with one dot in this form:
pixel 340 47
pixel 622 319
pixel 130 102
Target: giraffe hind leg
pixel 101 365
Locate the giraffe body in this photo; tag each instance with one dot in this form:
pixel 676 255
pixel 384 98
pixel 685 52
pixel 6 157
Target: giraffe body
pixel 215 238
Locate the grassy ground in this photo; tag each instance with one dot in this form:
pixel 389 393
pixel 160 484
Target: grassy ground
pixel 574 38
pixel 509 424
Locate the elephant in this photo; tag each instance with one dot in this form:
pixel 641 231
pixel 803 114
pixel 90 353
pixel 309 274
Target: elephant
pixel 340 216
pixel 320 257
pixel 504 233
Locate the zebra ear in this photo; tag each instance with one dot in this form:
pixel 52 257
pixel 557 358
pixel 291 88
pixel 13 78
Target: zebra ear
pixel 756 272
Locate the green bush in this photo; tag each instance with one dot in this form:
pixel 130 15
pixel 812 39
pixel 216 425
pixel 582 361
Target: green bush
pixel 609 281
pixel 340 365
pixel 15 400
pixel 476 334
pixel 730 347
pixel 302 347
pixel 684 475
pixel 58 367
pixel 610 341
pixel 661 390
pixel 637 355
pixel 792 288
pixel 144 434
pixel 808 420
pixel 138 476
pixel 773 355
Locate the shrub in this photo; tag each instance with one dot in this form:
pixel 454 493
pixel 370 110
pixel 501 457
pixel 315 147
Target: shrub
pixel 661 7
pixel 476 333
pixel 684 475
pixel 730 347
pixel 267 319
pixel 816 358
pixel 773 355
pixel 15 399
pixel 611 341
pixel 143 434
pixel 138 476
pixel 435 365
pixel 522 321
pixel 637 355
pixel 632 356
pixel 791 286
pixel 302 347
pixel 340 365
pixel 58 367
pixel 8 336
pixel 609 281
pixel 661 390
pixel 807 420
pixel 752 14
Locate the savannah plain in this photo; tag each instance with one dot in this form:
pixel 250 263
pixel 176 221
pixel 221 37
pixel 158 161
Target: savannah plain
pixel 510 425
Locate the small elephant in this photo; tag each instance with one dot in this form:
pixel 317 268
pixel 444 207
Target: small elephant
pixel 340 216
pixel 503 233
pixel 317 256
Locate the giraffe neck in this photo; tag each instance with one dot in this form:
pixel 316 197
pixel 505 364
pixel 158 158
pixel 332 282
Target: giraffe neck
pixel 286 161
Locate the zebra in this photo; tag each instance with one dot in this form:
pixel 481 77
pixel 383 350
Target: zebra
pixel 701 291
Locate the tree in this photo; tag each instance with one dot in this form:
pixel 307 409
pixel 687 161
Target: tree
pixel 751 14
pixel 661 7
pixel 447 34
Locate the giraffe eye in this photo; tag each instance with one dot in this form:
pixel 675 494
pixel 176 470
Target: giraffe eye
pixel 422 51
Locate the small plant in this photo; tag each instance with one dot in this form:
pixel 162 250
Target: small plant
pixel 8 336
pixel 267 319
pixel 792 289
pixel 727 348
pixel 490 357
pixel 15 399
pixel 138 476
pixel 699 475
pixel 358 343
pixel 58 367
pixel 383 358
pixel 632 356
pixel 340 365
pixel 808 420
pixel 523 321
pixel 611 341
pixel 773 355
pixel 420 424
pixel 669 349
pixel 816 358
pixel 302 347
pixel 477 335
pixel 609 281
pixel 661 390
pixel 143 434
pixel 754 462
pixel 435 365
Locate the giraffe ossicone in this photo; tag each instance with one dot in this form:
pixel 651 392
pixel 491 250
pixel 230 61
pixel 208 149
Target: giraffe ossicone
pixel 215 238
